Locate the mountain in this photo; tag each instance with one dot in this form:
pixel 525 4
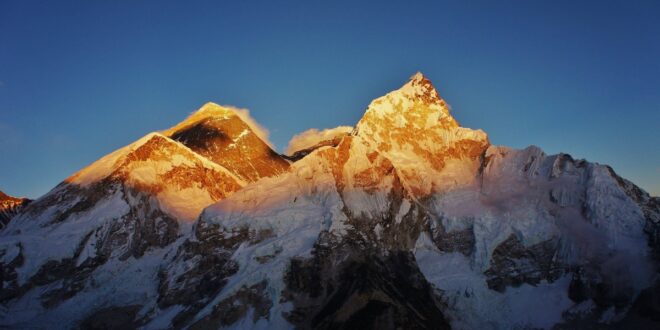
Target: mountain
pixel 10 206
pixel 219 134
pixel 128 205
pixel 409 221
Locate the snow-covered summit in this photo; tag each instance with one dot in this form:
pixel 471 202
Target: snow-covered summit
pixel 416 103
pixel 419 85
pixel 413 128
pixel 208 111
pixel 230 139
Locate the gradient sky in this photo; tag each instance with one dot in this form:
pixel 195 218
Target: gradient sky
pixel 79 79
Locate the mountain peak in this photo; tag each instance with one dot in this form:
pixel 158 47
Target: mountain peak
pixel 225 136
pixel 416 104
pixel 211 108
pixel 412 126
pixel 418 77
pixel 420 87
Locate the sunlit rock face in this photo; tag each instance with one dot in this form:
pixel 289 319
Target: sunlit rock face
pixel 219 134
pixel 412 127
pixel 408 221
pixel 9 207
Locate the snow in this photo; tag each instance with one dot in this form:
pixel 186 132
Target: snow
pixel 208 110
pixel 63 238
pixel 514 199
pixel 129 282
pixel 405 97
pixel 164 319
pixel 415 118
pixel 403 210
pixel 185 204
pixel 243 133
pixel 213 111
pixel 107 164
pixel 472 305
pixel 296 206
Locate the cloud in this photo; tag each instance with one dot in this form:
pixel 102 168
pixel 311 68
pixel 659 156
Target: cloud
pixel 311 137
pixel 259 130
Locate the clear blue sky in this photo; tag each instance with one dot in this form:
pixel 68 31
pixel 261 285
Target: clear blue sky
pixel 79 79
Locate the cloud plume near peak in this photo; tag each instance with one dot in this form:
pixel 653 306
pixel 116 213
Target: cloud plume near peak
pixel 312 137
pixel 259 130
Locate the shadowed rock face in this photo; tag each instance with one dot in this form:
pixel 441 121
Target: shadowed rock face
pixel 199 271
pixel 513 264
pixel 462 241
pixel 347 287
pixel 236 307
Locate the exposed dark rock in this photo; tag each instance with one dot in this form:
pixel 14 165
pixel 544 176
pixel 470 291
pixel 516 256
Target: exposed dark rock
pixel 456 241
pixel 208 265
pixel 72 276
pixel 121 317
pixel 144 226
pixel 342 287
pixel 645 311
pixel 513 264
pixel 235 307
pixel 8 276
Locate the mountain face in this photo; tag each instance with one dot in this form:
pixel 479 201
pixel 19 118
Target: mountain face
pixel 9 207
pixel 219 134
pixel 410 221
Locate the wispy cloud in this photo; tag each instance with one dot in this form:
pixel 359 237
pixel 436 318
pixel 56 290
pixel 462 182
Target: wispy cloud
pixel 311 137
pixel 258 129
